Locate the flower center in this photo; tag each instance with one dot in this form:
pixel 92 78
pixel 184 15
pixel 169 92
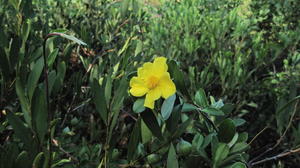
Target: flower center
pixel 152 82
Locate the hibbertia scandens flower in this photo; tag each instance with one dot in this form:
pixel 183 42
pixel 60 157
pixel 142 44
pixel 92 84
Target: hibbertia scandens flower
pixel 152 80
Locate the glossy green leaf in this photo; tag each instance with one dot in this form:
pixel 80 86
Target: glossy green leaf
pixel 226 130
pixel 145 132
pixel 151 122
pixel 40 113
pixel 182 127
pixel 173 121
pixel 34 77
pixel 99 101
pixel 21 131
pixel 72 38
pixel 167 107
pixel 134 140
pixel 61 162
pixel 37 162
pixel 52 57
pixel 25 31
pixel 213 111
pixel 220 154
pixel 188 107
pixel 108 89
pixel 138 105
pixel 197 142
pixel 24 101
pixel 200 98
pixel 178 76
pixel 172 161
pixel 227 108
pixel 239 147
pixel 238 165
pixel 239 122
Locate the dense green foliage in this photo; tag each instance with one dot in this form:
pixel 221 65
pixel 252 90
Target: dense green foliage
pixel 236 66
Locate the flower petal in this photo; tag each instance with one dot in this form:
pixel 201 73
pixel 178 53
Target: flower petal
pixel 146 70
pixel 138 87
pixel 166 85
pixel 160 66
pixel 151 96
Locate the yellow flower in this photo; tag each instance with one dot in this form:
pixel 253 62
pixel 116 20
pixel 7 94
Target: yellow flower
pixel 153 80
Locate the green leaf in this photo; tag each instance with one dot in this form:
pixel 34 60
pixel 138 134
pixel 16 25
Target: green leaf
pixel 151 122
pixel 219 104
pixel 197 142
pixel 243 137
pixel 108 88
pixel 34 77
pixel 138 105
pixel 125 46
pixel 239 147
pixel 213 111
pixel 52 80
pixel 4 64
pixel 14 52
pixel 220 154
pixel 139 47
pixel 134 140
pixel 15 3
pixel 227 108
pixel 238 165
pixel 178 76
pixel 167 107
pixel 40 113
pixel 3 38
pixel 99 100
pixel 188 107
pixel 182 127
pixel 226 131
pixel 23 160
pixel 24 101
pixel 239 122
pixel 20 130
pixel 172 122
pixel 145 132
pixel 119 95
pixel 72 38
pixel 200 98
pixel 117 103
pixel 172 161
pixel 25 31
pixel 52 57
pixel 60 162
pixel 37 160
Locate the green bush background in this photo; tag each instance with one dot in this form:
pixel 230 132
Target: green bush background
pixel 241 55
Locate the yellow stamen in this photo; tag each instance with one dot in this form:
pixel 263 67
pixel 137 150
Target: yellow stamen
pixel 152 82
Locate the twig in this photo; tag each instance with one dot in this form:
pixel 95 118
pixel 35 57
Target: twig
pixel 250 163
pixel 69 109
pixel 260 132
pixel 277 156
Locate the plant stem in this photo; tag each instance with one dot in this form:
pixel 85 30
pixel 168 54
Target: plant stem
pixel 50 115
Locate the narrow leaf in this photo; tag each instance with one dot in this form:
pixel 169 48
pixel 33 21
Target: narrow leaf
pixel 52 57
pixel 172 161
pixel 138 106
pixel 167 107
pixel 40 113
pixel 34 77
pixel 134 140
pixel 151 122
